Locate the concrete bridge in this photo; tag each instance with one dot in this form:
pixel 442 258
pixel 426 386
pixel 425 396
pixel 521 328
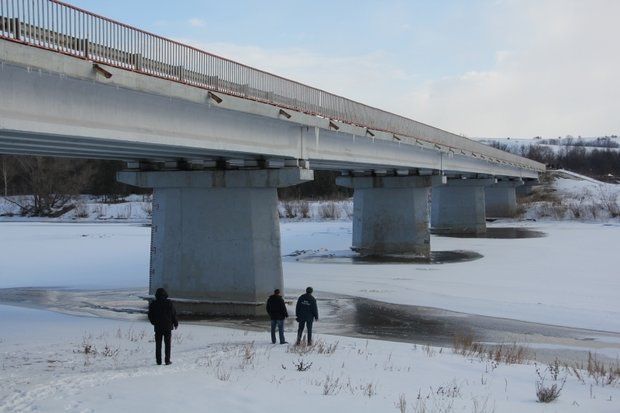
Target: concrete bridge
pixel 215 139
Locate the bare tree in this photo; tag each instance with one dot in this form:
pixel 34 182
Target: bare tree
pixel 52 182
pixel 5 175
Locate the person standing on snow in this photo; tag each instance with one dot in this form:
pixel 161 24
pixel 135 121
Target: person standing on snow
pixel 306 312
pixel 163 316
pixel 276 308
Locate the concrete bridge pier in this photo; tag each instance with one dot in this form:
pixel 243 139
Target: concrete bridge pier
pixel 391 214
pixel 501 198
pixel 458 207
pixel 215 237
pixel 527 188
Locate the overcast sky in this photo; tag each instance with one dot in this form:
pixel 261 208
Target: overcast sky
pixel 479 68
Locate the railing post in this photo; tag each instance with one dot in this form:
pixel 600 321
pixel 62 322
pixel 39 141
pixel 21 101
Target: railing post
pixel 137 61
pixel 17 29
pixel 85 47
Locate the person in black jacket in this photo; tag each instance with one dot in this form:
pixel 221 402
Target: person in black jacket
pixel 163 316
pixel 277 312
pixel 306 313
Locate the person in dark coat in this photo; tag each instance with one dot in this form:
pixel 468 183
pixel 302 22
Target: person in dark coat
pixel 163 316
pixel 276 308
pixel 306 312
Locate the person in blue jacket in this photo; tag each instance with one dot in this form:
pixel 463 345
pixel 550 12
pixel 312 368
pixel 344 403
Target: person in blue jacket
pixel 306 312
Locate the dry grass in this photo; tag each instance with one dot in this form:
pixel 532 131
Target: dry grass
pixel 318 346
pixel 603 374
pixel 401 404
pixel 329 210
pixel 223 375
pixel 467 346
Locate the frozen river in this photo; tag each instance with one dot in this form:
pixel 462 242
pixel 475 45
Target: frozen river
pixel 549 293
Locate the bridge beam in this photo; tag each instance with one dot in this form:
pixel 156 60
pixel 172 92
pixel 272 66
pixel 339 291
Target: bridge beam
pixel 458 207
pixel 391 214
pixel 501 198
pixel 215 237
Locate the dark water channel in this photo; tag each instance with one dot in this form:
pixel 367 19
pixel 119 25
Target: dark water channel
pixel 354 317
pixel 502 233
pixel 350 257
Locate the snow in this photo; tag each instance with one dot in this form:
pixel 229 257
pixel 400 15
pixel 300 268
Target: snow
pixel 73 255
pixel 567 278
pixel 44 368
pixel 571 196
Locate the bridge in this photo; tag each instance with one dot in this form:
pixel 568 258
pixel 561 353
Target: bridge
pixel 215 139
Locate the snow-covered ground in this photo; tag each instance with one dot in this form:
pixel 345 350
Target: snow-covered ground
pixel 570 277
pixel 59 363
pixel 571 196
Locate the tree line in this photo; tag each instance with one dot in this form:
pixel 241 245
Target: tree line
pixel 51 183
pixel 599 163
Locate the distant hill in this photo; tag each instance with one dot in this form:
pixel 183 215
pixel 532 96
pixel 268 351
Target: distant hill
pixel 596 157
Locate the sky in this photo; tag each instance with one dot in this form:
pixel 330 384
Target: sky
pixel 494 69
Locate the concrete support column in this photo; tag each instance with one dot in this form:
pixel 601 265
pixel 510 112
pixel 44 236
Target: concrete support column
pixel 501 198
pixel 215 237
pixel 527 188
pixel 458 207
pixel 390 214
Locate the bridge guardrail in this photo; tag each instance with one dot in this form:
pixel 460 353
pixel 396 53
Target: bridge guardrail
pixel 64 28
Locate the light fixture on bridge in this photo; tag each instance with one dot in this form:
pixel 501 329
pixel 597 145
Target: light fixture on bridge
pixel 368 132
pixel 285 114
pixel 102 71
pixel 396 137
pixel 332 125
pixel 214 97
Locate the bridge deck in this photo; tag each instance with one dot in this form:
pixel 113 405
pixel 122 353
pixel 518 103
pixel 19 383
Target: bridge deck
pixel 65 29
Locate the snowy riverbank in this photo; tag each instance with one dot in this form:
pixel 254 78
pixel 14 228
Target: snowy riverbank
pixel 568 278
pixel 53 362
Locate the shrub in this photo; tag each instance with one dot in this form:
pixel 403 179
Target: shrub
pixel 548 393
pixel 302 365
pixel 81 210
pixel 329 210
pixel 304 209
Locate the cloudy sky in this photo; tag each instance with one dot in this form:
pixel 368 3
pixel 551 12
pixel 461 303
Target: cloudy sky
pixel 498 68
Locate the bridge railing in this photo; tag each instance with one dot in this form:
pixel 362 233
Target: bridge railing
pixel 63 28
